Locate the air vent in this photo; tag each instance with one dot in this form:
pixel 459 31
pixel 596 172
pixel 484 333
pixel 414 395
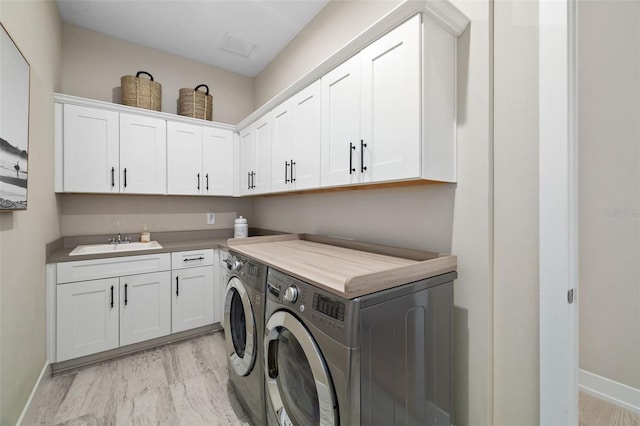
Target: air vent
pixel 237 45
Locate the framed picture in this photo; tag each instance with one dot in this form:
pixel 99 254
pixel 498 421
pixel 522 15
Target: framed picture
pixel 14 124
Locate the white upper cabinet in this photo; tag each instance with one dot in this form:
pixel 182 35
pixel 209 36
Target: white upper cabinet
pixel 217 161
pixel 296 142
pixel 390 106
pixel 255 156
pixel 341 124
pixel 371 112
pixel 143 154
pixel 184 151
pixel 91 150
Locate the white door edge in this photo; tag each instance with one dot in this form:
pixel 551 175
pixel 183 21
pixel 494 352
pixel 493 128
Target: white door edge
pixel 558 213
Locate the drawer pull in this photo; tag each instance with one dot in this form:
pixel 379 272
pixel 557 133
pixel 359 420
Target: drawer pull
pixel 177 286
pixel 193 259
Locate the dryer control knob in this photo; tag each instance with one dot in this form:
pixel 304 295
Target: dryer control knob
pixel 237 265
pixel 290 294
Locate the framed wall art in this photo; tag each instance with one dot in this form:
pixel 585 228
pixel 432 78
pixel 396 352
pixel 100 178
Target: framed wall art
pixel 14 124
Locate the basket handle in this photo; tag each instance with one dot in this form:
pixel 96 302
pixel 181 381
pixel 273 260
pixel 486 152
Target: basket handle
pixel 202 85
pixel 144 72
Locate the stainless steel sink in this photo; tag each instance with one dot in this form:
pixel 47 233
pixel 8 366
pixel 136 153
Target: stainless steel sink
pixel 114 248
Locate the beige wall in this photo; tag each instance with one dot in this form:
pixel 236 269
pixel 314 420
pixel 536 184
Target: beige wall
pixel 83 214
pixel 93 64
pixel 36 29
pixel 515 177
pixel 452 218
pixel 609 189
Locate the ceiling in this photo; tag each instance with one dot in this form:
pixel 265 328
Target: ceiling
pixel 198 29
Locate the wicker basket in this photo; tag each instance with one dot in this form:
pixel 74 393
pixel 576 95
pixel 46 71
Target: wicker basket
pixel 141 92
pixel 196 104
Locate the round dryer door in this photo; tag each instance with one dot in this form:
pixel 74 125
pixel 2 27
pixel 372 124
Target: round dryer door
pixel 240 328
pixel 299 389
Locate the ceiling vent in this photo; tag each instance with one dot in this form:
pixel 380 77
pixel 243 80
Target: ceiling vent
pixel 237 45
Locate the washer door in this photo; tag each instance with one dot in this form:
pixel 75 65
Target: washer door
pixel 240 328
pixel 299 388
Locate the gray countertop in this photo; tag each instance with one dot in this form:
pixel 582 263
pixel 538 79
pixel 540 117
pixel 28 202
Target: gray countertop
pixel 58 250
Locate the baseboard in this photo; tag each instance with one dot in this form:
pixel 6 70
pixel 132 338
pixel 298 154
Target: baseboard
pixel 614 392
pixel 28 415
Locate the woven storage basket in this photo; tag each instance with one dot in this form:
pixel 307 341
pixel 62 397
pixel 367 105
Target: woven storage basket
pixel 141 92
pixel 196 104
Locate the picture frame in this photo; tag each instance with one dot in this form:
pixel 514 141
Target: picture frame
pixel 15 77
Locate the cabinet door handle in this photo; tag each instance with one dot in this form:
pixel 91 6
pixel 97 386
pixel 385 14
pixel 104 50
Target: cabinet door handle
pixel 293 179
pixel 362 147
pixel 198 181
pixel 111 297
pixel 125 295
pixel 286 169
pixel 253 180
pixel 113 181
pixel 351 149
pixel 248 180
pixel 125 177
pixel 178 286
pixel 207 177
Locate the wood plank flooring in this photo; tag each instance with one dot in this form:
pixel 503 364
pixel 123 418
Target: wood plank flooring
pixel 597 412
pixel 177 384
pixel 185 383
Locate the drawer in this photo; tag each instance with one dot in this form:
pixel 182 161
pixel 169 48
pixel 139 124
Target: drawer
pixel 191 259
pixel 83 270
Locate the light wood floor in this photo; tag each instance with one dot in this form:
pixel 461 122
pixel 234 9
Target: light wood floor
pixel 186 384
pixel 178 384
pixel 597 412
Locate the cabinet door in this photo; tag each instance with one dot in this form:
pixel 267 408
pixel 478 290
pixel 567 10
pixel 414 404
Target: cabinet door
pixel 192 294
pixel 143 155
pixel 145 307
pixel 91 157
pixel 217 161
pixel 341 124
pixel 390 114
pixel 262 143
pixel 305 171
pixel 247 160
pixel 87 318
pixel 282 146
pixel 184 151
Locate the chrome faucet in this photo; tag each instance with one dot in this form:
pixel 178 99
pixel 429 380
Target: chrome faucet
pixel 119 240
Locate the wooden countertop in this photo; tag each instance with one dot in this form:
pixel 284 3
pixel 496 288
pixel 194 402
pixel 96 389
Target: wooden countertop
pixel 346 268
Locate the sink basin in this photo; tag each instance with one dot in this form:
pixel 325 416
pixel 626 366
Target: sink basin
pixel 114 248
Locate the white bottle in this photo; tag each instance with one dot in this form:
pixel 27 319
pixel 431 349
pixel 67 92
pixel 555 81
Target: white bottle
pixel 240 228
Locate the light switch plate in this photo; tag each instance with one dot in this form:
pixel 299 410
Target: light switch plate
pixel 211 218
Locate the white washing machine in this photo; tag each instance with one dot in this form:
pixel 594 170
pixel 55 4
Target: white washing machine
pixel 244 332
pixel 380 359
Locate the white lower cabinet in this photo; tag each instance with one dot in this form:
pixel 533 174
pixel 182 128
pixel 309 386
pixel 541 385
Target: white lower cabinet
pixel 145 307
pixel 192 298
pixel 103 304
pixel 87 318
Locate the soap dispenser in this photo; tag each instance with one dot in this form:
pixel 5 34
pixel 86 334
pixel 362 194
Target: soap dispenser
pixel 145 235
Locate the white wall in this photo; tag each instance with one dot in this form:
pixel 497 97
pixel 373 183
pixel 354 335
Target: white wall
pixel 451 218
pixel 93 63
pixel 36 29
pixel 515 181
pixel 609 189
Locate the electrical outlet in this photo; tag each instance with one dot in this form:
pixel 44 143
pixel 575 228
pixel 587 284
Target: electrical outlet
pixel 211 218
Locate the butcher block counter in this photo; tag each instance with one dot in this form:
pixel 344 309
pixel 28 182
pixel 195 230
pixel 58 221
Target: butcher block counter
pixel 346 268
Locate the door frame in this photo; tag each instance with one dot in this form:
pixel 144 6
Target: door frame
pixel 558 209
